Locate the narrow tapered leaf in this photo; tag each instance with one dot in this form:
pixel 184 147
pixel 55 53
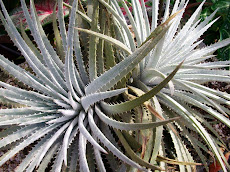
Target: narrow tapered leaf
pixel 49 155
pixel 115 74
pixel 25 131
pixel 18 111
pixel 79 57
pixel 93 40
pixel 74 156
pixel 60 49
pixel 38 134
pixel 90 99
pixel 128 105
pixel 87 135
pixel 50 143
pixel 196 124
pixel 57 62
pixel 29 162
pixel 31 45
pixel 172 161
pixel 82 154
pixel 131 126
pixel 34 62
pixel 158 29
pixel 44 45
pixel 109 39
pixel 27 94
pixel 132 153
pixel 70 73
pixel 109 145
pixel 23 76
pixel 133 23
pixel 99 159
pixel 122 22
pixel 62 24
pixel 67 139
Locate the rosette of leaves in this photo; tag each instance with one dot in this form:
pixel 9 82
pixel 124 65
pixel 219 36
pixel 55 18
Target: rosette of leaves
pixel 58 115
pixel 185 95
pixel 44 9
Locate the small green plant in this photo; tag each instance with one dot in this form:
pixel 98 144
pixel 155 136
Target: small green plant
pixel 220 29
pixel 114 98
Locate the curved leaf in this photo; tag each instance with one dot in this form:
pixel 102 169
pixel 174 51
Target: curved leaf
pixel 128 105
pixel 131 126
pixel 132 153
pixel 109 39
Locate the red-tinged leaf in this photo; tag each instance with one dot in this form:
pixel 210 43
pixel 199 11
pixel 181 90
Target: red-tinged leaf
pixel 215 166
pixel 44 9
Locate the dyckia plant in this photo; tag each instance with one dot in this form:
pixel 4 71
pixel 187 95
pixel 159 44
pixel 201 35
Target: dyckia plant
pixel 185 96
pixel 59 116
pixel 112 101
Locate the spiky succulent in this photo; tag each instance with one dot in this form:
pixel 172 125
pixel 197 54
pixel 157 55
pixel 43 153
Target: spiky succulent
pixel 68 105
pixel 185 95
pixel 60 113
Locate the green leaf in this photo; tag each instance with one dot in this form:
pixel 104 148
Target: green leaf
pixel 93 41
pixel 132 154
pixel 224 53
pixel 122 22
pixel 158 135
pixel 222 6
pixel 62 24
pixel 60 49
pixel 81 14
pixel 128 105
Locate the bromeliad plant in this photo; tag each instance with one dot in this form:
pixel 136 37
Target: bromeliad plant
pixel 68 113
pixel 44 9
pixel 185 95
pixel 60 113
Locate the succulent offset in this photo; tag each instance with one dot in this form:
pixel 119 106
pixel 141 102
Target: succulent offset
pixel 72 111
